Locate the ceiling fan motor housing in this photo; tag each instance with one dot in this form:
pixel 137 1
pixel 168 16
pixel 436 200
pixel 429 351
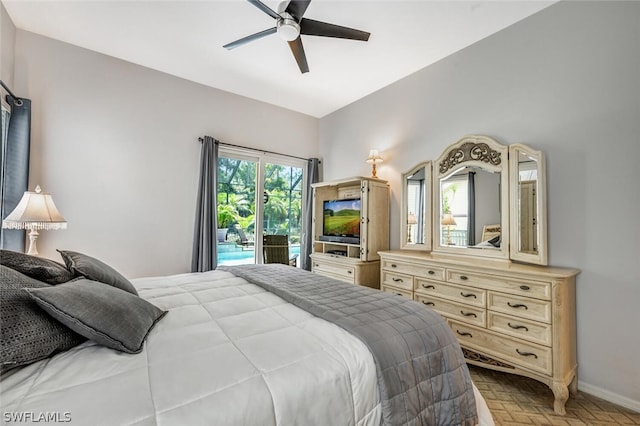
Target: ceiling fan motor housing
pixel 287 27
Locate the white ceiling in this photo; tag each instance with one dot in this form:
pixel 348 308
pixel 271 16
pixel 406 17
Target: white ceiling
pixel 185 39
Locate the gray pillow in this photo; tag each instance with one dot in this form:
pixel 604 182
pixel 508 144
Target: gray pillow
pixel 111 317
pixel 27 333
pixel 41 269
pixel 95 270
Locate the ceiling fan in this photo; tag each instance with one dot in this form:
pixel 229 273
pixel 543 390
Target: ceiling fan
pixel 290 24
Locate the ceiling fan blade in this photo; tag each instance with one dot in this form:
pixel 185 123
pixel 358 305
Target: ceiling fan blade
pixel 323 29
pixel 298 53
pixel 247 39
pixel 263 7
pixel 296 8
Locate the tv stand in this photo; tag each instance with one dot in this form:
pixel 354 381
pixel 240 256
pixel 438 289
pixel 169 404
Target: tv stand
pixel 355 261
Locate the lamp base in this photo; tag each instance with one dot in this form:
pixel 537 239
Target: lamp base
pixel 33 236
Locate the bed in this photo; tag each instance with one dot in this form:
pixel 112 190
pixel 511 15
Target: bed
pixel 227 352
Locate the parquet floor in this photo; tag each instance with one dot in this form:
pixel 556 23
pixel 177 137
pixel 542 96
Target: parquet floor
pixel 515 400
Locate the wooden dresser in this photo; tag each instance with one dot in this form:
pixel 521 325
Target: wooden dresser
pixel 510 317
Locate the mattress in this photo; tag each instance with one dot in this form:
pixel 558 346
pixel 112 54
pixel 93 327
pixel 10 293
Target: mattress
pixel 228 352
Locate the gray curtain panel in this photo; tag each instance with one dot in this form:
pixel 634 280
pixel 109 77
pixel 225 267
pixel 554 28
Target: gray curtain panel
pixel 15 168
pixel 313 176
pixel 471 222
pixel 205 249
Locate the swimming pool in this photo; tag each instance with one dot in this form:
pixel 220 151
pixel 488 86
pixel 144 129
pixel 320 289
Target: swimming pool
pixel 231 254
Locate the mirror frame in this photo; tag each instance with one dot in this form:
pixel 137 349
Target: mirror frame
pixel 540 257
pixel 474 151
pixel 426 217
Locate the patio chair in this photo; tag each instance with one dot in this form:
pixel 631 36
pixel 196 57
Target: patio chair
pixel 276 250
pixel 244 241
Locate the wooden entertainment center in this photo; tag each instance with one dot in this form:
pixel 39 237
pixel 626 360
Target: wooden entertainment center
pixel 352 261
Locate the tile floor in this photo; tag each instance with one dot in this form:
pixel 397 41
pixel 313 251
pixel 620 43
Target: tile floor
pixel 515 400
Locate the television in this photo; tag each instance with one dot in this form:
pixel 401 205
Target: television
pixel 341 221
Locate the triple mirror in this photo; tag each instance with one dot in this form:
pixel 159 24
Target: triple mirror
pixel 479 198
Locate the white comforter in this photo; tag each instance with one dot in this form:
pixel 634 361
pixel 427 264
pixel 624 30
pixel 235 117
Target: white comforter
pixel 227 353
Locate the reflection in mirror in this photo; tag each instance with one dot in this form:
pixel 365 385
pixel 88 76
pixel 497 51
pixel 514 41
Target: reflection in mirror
pixel 415 206
pixel 469 203
pixel 415 209
pixel 527 182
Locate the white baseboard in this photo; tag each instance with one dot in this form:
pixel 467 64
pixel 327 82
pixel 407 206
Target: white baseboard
pixel 623 401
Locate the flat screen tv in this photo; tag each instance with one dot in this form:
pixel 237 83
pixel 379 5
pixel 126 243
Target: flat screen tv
pixel 341 221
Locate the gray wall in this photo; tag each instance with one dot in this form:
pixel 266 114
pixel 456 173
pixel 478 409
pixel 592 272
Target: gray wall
pixel 7 47
pixel 116 145
pixel 566 81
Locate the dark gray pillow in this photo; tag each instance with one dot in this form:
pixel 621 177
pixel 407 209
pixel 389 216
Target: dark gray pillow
pixel 27 333
pixel 41 269
pixel 111 317
pixel 95 270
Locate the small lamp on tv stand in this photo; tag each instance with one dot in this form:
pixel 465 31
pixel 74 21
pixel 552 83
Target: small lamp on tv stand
pixel 373 159
pixel 411 220
pixel 448 221
pixel 34 212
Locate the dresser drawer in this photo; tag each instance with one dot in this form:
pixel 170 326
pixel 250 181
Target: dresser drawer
pixel 536 332
pixel 523 307
pixel 428 271
pixel 396 279
pixel 529 288
pixel 397 291
pixel 520 353
pixel 461 294
pixel 450 309
pixel 345 273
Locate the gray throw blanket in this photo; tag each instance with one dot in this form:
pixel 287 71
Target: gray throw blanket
pixel 422 375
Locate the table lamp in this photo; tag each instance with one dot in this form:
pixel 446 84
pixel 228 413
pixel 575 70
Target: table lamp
pixel 448 220
pixel 34 212
pixel 373 159
pixel 411 220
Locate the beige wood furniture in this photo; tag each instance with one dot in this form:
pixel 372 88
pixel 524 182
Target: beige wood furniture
pixel 355 262
pixel 510 317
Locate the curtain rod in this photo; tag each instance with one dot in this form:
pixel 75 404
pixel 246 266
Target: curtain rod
pixel 16 100
pixel 255 149
pixel 8 90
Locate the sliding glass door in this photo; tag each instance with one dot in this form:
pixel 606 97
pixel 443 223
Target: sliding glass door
pixel 257 195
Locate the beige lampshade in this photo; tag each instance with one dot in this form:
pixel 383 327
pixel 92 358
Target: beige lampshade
pixel 35 210
pixel 374 157
pixel 411 219
pixel 448 220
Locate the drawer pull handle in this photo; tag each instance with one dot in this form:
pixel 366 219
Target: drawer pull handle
pixel 349 272
pixel 399 294
pixel 316 265
pixel 398 280
pixel 527 354
pixel 427 286
pixel 468 295
pixel 428 303
pixel 464 333
pixel 468 314
pixel 431 272
pixel 517 305
pixel 518 327
pixel 525 287
pixel 464 277
pixel 393 265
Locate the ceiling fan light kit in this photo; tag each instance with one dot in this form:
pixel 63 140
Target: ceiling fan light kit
pixel 290 24
pixel 288 29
